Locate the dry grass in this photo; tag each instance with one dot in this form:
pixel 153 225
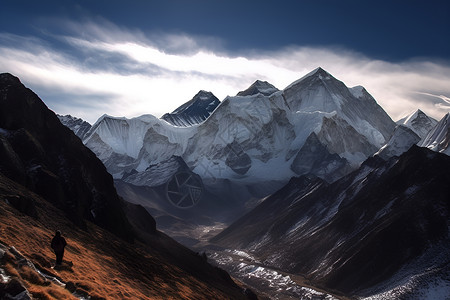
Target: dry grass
pixel 50 293
pixel 31 276
pixel 11 270
pixel 103 266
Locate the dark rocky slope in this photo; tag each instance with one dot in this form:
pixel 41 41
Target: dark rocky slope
pixel 37 151
pixel 357 232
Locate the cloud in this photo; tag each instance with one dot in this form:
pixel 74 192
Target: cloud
pixel 444 104
pixel 94 68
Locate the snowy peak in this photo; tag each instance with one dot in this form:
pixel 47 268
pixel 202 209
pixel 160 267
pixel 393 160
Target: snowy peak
pixel 202 99
pixel 320 92
pixel 316 73
pixel 193 112
pixel 257 87
pixel 418 122
pixel 438 139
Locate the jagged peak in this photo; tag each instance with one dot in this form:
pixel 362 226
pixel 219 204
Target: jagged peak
pixel 414 115
pixel 318 72
pixel 259 86
pixel 204 96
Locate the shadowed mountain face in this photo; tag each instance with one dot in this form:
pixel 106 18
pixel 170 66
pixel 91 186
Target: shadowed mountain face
pixel 357 232
pixel 194 111
pixel 37 151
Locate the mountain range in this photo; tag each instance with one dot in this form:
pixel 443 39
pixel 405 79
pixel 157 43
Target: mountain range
pixel 250 145
pixel 315 180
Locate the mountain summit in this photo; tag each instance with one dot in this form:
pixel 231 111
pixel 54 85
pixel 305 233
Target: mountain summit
pixel 194 111
pixel 257 87
pixel 419 122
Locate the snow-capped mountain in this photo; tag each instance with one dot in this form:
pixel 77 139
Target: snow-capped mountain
pixel 194 111
pixel 77 125
pixel 419 122
pixel 257 87
pixel 257 141
pixel 416 129
pixel 438 139
pixel 401 140
pixel 381 226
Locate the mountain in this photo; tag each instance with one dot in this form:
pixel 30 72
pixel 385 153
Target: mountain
pixel 416 129
pixel 49 180
pixel 257 87
pixel 438 139
pixel 77 125
pixel 97 264
pixel 247 135
pixel 194 111
pixel 381 229
pixel 40 153
pixel 419 122
pixel 250 145
pixel 401 140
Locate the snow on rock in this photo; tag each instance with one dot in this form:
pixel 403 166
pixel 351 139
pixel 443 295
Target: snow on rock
pixel 254 136
pixel 193 112
pixel 438 139
pixel 259 86
pixel 402 139
pixel 418 122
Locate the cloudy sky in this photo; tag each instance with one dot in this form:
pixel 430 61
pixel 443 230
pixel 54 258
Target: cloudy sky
pixel 128 58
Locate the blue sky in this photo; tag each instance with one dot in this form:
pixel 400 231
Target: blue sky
pixel 127 58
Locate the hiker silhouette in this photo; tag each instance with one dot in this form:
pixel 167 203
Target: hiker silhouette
pixel 58 244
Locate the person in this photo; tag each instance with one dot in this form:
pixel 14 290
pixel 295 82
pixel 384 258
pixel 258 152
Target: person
pixel 58 244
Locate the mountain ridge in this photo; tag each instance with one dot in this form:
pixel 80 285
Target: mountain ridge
pixel 377 218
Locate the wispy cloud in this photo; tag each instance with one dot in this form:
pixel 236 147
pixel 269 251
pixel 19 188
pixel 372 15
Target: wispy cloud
pixel 443 104
pixel 99 68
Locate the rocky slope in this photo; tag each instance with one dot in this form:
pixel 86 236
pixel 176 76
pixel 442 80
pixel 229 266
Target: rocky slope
pixel 97 265
pixel 40 153
pixel 358 234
